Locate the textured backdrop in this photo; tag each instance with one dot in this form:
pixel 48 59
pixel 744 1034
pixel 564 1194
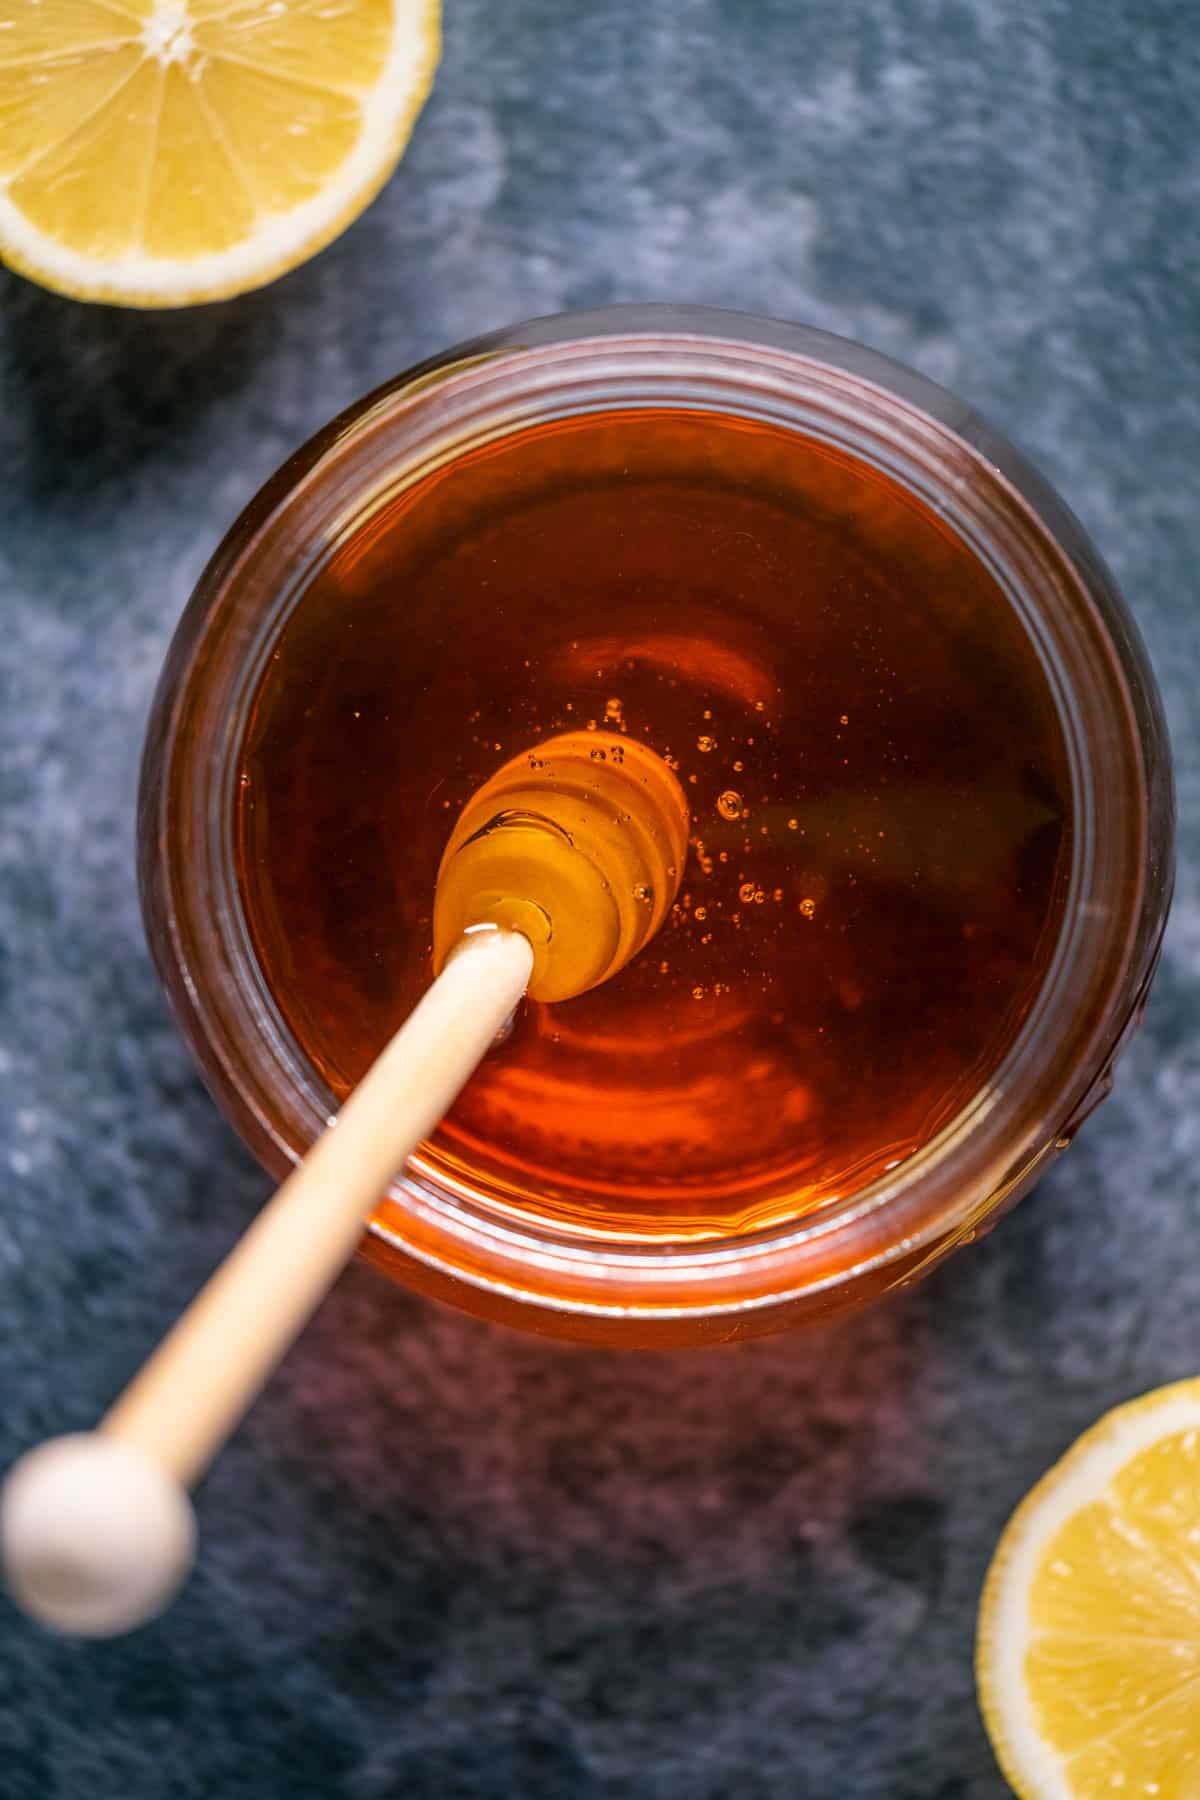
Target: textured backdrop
pixel 440 1560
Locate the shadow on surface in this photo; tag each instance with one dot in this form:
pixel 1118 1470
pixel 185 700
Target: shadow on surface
pixel 103 389
pixel 597 1547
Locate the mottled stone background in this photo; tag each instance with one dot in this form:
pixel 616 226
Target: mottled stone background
pixel 443 1562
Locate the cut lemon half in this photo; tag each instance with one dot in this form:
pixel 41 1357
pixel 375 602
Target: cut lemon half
pixel 162 152
pixel 1088 1655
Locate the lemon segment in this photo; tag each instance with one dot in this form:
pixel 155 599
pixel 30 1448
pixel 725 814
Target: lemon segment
pixel 29 34
pixel 1088 1654
pixel 42 103
pixel 162 152
pixel 292 41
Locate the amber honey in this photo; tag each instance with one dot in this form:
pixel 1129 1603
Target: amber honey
pixel 875 774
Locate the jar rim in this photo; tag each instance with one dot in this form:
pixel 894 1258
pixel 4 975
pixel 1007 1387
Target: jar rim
pixel 896 422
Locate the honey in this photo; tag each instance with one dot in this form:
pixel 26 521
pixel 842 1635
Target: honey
pixel 871 759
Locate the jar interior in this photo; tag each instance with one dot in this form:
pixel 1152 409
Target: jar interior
pixel 880 794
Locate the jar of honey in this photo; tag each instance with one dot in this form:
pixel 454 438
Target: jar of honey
pixel 929 854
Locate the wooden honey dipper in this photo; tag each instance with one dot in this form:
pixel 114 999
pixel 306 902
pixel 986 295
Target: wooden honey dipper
pixel 559 870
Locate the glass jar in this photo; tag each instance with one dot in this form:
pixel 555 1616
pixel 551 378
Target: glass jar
pixel 442 1237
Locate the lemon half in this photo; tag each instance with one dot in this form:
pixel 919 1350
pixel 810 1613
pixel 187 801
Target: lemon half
pixel 162 152
pixel 1088 1655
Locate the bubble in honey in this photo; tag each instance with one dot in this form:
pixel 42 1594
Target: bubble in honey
pixel 759 705
pixel 706 743
pixel 746 892
pixel 808 908
pixel 845 719
pixel 793 824
pixel 701 912
pixel 597 755
pixel 730 805
pixel 697 993
pixel 738 767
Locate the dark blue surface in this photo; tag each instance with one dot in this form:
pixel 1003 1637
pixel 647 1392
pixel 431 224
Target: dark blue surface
pixel 441 1560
